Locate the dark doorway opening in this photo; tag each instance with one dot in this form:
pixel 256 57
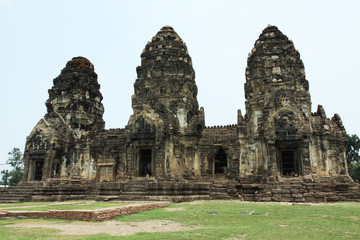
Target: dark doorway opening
pixel 38 172
pixel 56 169
pixel 145 163
pixel 288 163
pixel 220 162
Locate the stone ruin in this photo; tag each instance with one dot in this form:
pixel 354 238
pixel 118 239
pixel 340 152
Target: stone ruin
pixel 278 151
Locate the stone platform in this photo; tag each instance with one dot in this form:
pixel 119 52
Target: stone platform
pixel 285 190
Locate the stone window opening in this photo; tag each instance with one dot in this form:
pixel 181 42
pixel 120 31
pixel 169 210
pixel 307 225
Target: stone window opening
pixel 145 157
pixel 220 163
pixel 289 163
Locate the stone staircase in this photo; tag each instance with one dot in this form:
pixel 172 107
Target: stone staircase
pixel 46 191
pixel 20 193
pixel 151 190
pixel 224 189
pixel 135 190
pixel 64 190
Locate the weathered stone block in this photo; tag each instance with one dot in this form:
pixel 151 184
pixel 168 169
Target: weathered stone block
pixel 310 199
pixel 297 195
pixel 276 191
pixel 299 199
pixel 285 190
pixel 287 199
pixel 294 190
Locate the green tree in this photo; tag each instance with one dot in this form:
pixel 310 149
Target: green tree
pixel 17 163
pixel 353 156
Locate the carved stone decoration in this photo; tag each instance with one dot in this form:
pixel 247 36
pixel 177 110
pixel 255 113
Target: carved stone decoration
pixel 75 97
pixel 277 151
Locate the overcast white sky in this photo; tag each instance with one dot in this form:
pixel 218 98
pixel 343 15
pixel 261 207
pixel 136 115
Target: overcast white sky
pixel 39 37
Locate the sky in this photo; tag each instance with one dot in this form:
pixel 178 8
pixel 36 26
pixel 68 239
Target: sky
pixel 39 37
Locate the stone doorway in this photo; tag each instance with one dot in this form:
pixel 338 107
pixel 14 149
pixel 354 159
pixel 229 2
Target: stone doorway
pixel 38 170
pixel 289 165
pixel 145 157
pixel 220 163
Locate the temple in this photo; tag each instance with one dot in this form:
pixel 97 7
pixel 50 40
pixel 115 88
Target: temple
pixel 278 151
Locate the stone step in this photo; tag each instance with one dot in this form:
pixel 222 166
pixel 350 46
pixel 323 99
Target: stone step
pixel 177 198
pixel 161 193
pixel 109 192
pixel 13 199
pixel 219 196
pixel 224 190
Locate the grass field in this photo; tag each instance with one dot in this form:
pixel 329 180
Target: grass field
pixel 218 220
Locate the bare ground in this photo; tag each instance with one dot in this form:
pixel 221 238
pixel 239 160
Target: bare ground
pixel 115 228
pixel 174 209
pixel 112 228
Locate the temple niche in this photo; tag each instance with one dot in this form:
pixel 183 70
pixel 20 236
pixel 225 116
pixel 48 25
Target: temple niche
pixel 278 151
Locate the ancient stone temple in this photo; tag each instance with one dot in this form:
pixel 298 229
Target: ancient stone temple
pixel 278 151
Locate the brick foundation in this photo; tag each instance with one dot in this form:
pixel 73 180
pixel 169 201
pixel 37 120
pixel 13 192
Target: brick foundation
pixel 85 215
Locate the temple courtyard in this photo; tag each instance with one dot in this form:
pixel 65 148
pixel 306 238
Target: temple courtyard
pixel 230 219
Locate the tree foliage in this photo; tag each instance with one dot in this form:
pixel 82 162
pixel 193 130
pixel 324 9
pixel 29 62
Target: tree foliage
pixel 16 161
pixel 353 156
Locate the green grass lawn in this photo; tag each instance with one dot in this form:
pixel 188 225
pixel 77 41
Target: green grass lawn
pixel 268 221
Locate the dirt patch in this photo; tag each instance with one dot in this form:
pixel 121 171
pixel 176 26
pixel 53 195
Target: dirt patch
pixel 112 228
pixel 174 209
pixel 194 202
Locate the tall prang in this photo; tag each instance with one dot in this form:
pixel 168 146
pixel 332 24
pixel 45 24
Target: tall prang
pixel 76 97
pixel 59 145
pixel 285 134
pixel 275 77
pixel 165 84
pixel 165 107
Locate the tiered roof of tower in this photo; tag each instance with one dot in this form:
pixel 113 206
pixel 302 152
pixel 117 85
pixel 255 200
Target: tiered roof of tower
pixel 274 59
pixel 166 80
pixel 76 92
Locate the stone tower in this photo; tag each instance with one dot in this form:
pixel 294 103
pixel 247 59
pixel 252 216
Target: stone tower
pixel 281 127
pixel 165 104
pixel 275 77
pixel 59 145
pixel 75 97
pixel 166 81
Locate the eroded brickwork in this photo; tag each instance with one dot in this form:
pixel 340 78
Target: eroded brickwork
pixel 167 152
pixel 85 215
